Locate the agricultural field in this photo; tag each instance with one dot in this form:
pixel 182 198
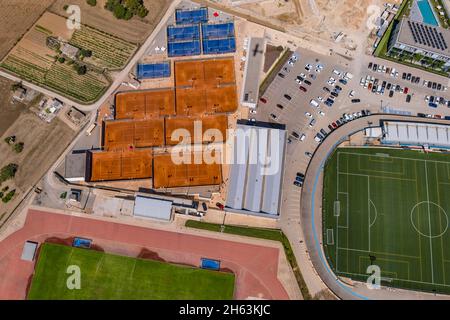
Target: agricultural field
pixel 38 58
pixel 16 18
pixel 108 276
pixel 388 208
pixel 107 51
pixel 135 30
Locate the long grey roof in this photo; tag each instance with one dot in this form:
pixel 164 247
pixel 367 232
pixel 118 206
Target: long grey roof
pixel 254 186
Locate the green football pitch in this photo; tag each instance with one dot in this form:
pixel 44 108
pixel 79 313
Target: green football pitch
pixel 107 276
pixel 388 208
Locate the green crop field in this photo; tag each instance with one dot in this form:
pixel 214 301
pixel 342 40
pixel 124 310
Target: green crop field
pixel 388 208
pixel 107 276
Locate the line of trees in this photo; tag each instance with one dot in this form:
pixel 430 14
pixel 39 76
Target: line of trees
pixel 126 9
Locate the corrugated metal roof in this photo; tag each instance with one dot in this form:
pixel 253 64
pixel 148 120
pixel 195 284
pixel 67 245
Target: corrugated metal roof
pixel 254 185
pixel 152 208
pixel 412 133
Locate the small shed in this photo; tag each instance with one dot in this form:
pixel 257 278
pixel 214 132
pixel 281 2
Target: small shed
pixel 29 251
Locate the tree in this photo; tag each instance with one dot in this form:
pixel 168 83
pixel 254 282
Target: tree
pixel 92 3
pixel 9 196
pixel 61 59
pixel 18 147
pixel 8 172
pixel 119 11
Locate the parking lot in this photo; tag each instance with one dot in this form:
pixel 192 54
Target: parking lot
pixel 302 106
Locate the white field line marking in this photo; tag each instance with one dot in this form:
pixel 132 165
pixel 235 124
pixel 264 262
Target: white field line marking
pixel 337 218
pixel 429 223
pixel 406 280
pixel 368 208
pixel 393 157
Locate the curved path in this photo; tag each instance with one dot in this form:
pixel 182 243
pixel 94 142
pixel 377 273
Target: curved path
pixel 311 213
pixel 255 266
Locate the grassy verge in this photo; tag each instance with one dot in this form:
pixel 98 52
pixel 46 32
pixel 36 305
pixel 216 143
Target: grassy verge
pixel 108 276
pixel 267 234
pixel 274 71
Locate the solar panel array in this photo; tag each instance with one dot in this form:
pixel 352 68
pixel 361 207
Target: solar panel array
pixel 427 35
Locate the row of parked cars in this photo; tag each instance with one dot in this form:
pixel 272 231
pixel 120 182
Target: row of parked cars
pixel 383 69
pixel 378 86
pixel 433 101
pixel 346 117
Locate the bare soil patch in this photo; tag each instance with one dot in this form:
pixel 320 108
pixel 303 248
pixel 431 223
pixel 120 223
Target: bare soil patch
pixel 135 30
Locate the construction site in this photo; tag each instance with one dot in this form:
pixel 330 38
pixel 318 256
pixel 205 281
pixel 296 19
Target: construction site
pixel 148 124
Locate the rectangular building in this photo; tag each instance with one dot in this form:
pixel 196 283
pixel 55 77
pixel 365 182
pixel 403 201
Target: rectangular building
pixel 252 72
pixel 422 39
pixel 257 169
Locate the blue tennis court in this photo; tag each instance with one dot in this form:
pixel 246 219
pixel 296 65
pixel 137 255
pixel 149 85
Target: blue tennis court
pixel 153 70
pixel 191 16
pixel 183 33
pixel 219 45
pixel 187 48
pixel 218 30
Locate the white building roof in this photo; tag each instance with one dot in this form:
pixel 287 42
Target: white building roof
pixel 152 208
pixel 412 133
pixel 254 186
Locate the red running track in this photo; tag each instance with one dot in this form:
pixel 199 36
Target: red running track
pixel 255 266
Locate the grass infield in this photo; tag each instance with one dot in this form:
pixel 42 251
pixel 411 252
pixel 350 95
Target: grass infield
pixel 388 208
pixel 107 276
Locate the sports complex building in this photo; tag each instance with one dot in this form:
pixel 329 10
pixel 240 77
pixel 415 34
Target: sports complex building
pixel 137 144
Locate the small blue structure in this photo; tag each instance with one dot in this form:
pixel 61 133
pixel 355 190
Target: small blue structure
pixel 210 264
pixel 82 243
pixel 191 16
pixel 153 70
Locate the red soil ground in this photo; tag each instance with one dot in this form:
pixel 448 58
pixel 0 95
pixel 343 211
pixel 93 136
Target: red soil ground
pixel 255 266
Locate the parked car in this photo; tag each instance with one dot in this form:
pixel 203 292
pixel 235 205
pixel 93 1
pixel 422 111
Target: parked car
pixel 263 100
pixel 356 100
pixel 408 98
pixel 288 97
pixel 303 89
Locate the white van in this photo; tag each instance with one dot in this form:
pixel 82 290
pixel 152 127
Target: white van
pixel 314 103
pixel 303 137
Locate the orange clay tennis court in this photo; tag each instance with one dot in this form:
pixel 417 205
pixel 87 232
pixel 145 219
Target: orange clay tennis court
pixel 205 124
pixel 199 73
pixel 133 164
pixel 145 104
pixel 167 174
pixel 205 86
pixel 121 134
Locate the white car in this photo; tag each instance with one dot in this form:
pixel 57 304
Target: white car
pixel 351 94
pixel 252 111
pixel 322 113
pixel 302 75
pixel 307 114
pixel 337 72
pixel 320 99
pixel 317 139
pixel 303 137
